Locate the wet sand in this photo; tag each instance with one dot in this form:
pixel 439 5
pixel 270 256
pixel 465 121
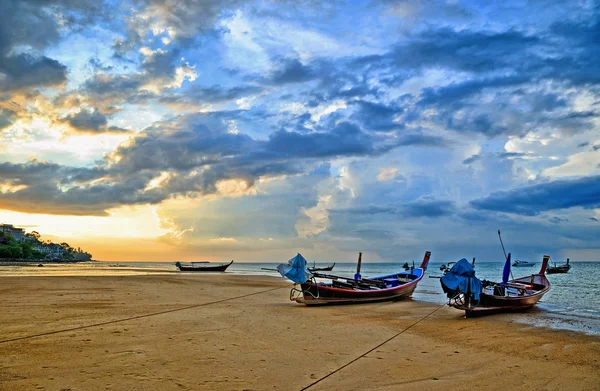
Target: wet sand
pixel 177 331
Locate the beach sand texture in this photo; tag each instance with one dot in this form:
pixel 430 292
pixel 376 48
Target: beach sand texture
pixel 232 332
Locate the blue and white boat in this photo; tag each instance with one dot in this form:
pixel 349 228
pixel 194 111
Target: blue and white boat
pixel 518 263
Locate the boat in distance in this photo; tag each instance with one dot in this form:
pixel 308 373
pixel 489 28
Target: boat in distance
pixel 343 290
pixel 203 267
pixel 518 263
pixel 507 296
pixel 559 269
pixel 321 269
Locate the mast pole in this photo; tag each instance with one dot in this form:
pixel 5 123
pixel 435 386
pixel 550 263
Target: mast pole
pixel 357 276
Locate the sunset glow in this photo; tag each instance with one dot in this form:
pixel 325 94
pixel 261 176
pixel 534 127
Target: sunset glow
pixel 152 130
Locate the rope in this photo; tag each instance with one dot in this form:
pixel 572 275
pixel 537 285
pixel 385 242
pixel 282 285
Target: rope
pixel 370 350
pixel 136 317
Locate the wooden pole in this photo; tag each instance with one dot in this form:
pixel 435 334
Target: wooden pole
pixel 357 275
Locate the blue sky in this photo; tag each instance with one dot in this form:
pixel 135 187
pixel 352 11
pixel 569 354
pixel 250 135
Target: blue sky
pixel 161 130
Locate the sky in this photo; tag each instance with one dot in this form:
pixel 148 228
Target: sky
pixel 163 130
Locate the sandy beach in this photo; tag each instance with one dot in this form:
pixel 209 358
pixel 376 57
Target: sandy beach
pixel 177 331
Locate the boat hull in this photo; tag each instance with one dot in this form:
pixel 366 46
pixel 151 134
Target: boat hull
pixel 321 269
pixel 558 269
pixel 217 268
pixel 315 294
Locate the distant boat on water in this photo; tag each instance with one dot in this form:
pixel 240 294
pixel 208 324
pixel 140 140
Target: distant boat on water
pixel 321 269
pixel 559 269
pixel 203 267
pixel 518 263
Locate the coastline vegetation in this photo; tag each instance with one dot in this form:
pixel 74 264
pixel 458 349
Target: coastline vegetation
pixel 33 248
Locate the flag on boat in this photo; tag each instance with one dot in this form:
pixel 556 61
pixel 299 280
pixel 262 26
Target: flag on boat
pixel 506 270
pixel 295 269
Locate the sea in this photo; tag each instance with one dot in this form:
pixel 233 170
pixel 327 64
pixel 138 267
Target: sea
pixel 572 304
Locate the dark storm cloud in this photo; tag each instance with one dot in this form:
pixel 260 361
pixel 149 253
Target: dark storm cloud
pixel 472 51
pixel 55 189
pixel 214 94
pixel 376 116
pixel 533 200
pixel 86 120
pixel 346 139
pixel 91 121
pixel 416 208
pixel 7 117
pixel 111 91
pixel 34 171
pixel 37 24
pixel 25 71
pixel 422 141
pixel 198 150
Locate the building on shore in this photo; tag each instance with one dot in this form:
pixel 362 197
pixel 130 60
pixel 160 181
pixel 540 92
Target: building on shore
pixel 52 250
pixel 17 233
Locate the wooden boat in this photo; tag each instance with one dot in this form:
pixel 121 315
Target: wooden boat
pixel 559 269
pixel 514 295
pixel 203 267
pixel 321 269
pixel 343 290
pixel 518 263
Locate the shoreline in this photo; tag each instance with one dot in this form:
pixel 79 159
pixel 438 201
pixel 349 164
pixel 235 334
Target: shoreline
pixel 242 332
pixel 544 315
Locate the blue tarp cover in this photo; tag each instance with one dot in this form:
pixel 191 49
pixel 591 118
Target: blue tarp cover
pixel 295 269
pixel 462 278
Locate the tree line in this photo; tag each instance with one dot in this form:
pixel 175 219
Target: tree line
pixel 26 249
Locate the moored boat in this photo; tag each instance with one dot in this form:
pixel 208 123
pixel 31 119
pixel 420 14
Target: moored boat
pixel 203 267
pixel 344 290
pixel 559 269
pixel 321 269
pixel 518 263
pixel 518 294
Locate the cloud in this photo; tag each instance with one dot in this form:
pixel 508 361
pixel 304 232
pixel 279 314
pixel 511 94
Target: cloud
pixel 293 71
pixel 532 200
pixel 91 121
pixel 346 139
pixel 416 208
pixel 87 120
pixel 25 71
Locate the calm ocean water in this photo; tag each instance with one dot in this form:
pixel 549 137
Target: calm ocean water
pixel 573 303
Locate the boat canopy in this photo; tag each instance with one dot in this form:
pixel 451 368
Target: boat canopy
pixel 295 269
pixel 461 279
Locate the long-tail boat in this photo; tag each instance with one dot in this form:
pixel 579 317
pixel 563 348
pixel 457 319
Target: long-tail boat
pixel 343 290
pixel 321 269
pixel 507 296
pixel 559 269
pixel 203 267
